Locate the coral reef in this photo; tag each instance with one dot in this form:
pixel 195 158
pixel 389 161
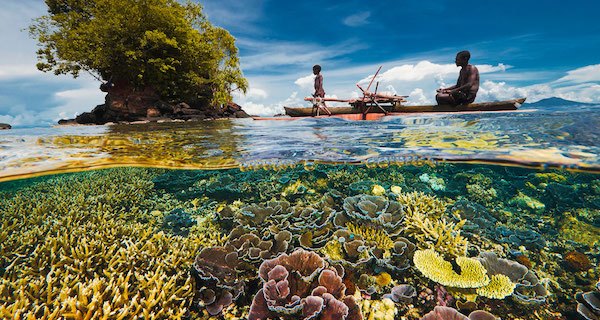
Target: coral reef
pixel 447 313
pixel 87 245
pixel 433 266
pixel 300 285
pixel 588 304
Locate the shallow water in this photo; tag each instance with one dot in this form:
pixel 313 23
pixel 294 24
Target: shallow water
pixel 368 202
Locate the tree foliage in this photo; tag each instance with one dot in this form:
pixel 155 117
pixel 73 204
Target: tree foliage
pixel 162 44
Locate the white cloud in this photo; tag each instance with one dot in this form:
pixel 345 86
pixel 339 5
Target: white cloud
pixel 585 74
pixel 256 93
pixel 11 72
pixel 357 19
pixel 426 69
pixel 418 97
pixel 306 82
pixel 262 54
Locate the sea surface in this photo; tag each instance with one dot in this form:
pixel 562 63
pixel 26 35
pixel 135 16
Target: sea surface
pixel 424 216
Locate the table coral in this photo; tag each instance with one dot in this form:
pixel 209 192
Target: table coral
pixel 433 266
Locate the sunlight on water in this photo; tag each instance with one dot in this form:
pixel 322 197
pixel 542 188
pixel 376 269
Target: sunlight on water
pixel 532 139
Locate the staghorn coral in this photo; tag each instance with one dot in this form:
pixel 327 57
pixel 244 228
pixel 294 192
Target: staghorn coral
pixel 377 237
pixel 87 245
pixel 419 202
pixel 433 266
pixel 300 286
pixel 439 234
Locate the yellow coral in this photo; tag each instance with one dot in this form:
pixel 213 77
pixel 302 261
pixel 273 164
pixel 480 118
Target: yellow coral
pixel 333 250
pixel 419 202
pixel 378 236
pixel 383 279
pixel 575 230
pixel 384 309
pixel 439 234
pixel 378 190
pixel 396 189
pixel 499 287
pixel 434 267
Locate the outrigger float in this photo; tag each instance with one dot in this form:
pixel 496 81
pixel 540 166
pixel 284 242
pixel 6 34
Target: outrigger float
pixel 374 106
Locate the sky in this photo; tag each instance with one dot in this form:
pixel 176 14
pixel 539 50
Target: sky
pixel 525 48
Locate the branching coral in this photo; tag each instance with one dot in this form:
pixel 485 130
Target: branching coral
pixel 433 266
pixel 84 245
pixel 439 234
pixel 419 202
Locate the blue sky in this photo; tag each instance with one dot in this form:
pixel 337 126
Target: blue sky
pixel 527 48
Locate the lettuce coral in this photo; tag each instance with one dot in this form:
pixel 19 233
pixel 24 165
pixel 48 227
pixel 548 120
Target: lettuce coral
pixel 433 266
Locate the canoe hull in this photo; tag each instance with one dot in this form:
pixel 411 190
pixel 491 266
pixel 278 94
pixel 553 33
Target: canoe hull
pixel 484 106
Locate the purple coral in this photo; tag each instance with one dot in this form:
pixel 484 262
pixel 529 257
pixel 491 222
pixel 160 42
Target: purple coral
pixel 402 293
pixel 216 278
pixel 447 313
pixel 300 286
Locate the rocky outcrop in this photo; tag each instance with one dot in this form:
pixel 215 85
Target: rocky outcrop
pixel 5 126
pixel 126 104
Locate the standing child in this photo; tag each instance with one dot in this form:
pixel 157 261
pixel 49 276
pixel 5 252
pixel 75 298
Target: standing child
pixel 319 92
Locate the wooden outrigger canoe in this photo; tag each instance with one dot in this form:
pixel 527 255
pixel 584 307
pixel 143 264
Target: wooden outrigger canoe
pixel 397 109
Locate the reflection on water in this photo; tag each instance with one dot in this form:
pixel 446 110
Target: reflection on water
pixel 530 138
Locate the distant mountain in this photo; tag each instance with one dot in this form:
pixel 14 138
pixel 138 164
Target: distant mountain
pixel 557 102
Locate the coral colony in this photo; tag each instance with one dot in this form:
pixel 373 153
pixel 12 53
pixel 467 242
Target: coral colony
pixel 427 241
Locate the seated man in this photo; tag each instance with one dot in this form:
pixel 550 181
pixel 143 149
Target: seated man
pixel 466 87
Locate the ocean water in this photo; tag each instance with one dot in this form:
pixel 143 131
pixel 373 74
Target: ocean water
pixel 395 219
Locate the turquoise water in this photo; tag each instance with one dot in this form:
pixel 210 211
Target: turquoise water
pixel 495 212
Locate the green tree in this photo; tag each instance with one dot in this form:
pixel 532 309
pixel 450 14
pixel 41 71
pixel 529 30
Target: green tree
pixel 159 44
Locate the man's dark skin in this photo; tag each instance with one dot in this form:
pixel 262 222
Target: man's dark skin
pixel 465 90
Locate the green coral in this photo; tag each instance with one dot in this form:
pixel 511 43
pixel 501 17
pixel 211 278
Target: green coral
pixel 433 266
pixel 526 202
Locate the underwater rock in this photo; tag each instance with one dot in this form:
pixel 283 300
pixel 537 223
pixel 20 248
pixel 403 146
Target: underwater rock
pixel 447 313
pixel 577 261
pixel 178 222
pixel 217 280
pixel 301 286
pixel 403 293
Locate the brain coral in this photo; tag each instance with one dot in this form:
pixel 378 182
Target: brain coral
pixel 434 267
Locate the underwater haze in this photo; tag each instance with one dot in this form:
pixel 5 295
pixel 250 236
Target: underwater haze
pixel 462 216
